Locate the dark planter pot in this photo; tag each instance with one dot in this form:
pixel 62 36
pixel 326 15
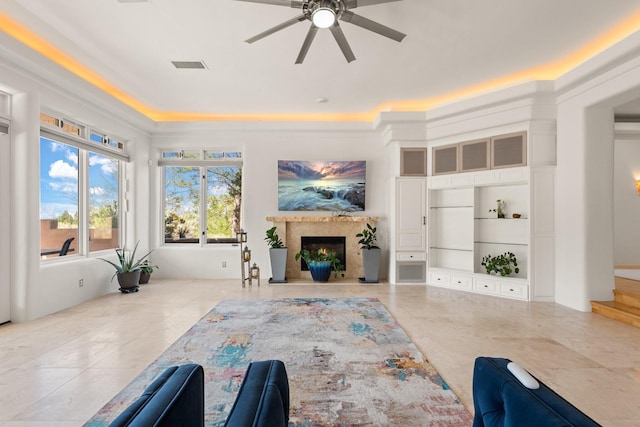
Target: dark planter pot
pixel 320 270
pixel 144 278
pixel 129 281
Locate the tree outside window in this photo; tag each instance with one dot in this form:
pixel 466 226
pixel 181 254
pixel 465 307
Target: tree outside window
pixel 202 203
pixel 103 202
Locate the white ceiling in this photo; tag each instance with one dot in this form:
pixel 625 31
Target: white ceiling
pixel 450 45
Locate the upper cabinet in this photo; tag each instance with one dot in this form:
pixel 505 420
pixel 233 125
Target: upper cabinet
pixel 413 161
pixel 445 159
pixel 509 151
pixel 502 151
pixel 474 155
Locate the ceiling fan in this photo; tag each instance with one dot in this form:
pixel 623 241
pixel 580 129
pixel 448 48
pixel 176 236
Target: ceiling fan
pixel 326 14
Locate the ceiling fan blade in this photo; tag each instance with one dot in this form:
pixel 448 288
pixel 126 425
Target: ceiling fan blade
pixel 287 3
pixel 342 42
pixel 370 25
pixel 350 4
pixel 276 28
pixel 307 44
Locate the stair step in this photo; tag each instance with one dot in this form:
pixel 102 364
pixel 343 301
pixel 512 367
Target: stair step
pixel 627 298
pixel 617 311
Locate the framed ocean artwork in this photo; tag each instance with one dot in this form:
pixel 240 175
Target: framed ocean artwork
pixel 305 185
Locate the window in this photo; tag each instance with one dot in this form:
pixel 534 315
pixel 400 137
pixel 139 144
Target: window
pixel 104 191
pixel 77 176
pixel 59 201
pixel 202 196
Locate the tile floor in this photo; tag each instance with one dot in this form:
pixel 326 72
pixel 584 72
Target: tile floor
pixel 59 370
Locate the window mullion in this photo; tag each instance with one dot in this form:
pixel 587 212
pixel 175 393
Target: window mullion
pixel 203 205
pixel 83 201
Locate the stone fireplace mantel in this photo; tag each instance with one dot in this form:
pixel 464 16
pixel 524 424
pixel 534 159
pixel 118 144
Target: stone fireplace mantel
pixel 275 219
pixel 292 228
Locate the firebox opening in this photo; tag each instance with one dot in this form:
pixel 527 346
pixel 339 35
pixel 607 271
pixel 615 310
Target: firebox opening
pixel 336 244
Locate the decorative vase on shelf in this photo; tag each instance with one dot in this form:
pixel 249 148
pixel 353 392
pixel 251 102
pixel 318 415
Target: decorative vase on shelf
pixel 500 205
pixel 320 270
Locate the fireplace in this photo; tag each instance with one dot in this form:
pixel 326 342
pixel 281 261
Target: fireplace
pixel 291 229
pixel 336 244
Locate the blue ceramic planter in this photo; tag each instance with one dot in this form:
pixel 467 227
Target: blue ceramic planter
pixel 320 270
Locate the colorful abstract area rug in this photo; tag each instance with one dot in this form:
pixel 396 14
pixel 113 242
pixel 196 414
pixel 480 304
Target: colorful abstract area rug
pixel 349 364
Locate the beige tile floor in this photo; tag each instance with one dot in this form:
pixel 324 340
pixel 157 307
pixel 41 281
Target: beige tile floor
pixel 59 370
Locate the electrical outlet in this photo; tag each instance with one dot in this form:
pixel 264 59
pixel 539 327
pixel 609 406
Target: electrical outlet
pixel 224 264
pixel 80 283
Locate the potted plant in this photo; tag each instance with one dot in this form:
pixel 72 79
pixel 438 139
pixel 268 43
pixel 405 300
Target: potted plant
pixel 320 264
pixel 504 265
pixel 128 269
pixel 277 256
pixel 370 254
pixel 147 268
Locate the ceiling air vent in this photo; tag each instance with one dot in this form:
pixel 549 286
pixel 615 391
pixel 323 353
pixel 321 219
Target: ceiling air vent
pixel 190 65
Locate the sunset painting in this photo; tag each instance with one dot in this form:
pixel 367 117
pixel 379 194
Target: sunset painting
pixel 321 185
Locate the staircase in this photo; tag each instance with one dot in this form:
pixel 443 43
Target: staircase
pixel 626 304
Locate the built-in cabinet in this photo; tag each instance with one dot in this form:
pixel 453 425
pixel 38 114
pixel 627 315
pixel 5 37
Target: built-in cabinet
pixel 463 228
pixel 410 230
pixel 466 177
pixel 501 151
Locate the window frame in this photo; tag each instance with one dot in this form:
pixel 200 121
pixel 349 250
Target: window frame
pixel 81 140
pixel 205 160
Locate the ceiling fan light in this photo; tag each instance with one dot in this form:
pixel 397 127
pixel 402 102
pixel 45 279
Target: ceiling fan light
pixel 323 17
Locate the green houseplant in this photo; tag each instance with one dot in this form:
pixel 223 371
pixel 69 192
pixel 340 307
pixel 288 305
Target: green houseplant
pixel 128 268
pixel 277 255
pixel 321 263
pixel 370 254
pixel 504 265
pixel 147 268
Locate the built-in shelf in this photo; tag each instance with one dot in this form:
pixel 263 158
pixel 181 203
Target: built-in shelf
pixel 501 219
pixel 501 243
pixel 436 248
pixel 463 230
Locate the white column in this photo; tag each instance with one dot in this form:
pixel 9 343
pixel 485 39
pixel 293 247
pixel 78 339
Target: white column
pixel 584 205
pixel 25 204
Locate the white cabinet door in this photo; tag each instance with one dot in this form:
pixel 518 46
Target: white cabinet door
pixel 5 231
pixel 410 214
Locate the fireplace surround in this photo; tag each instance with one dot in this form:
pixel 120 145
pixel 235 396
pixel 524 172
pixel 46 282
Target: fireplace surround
pixel 291 229
pixel 335 244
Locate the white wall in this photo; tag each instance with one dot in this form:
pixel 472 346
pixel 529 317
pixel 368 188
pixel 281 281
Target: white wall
pixel 626 202
pixel 39 288
pixel 262 148
pixel 5 229
pixel 584 197
pixel 584 221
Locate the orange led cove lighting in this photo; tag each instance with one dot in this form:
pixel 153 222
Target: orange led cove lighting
pixel 550 71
